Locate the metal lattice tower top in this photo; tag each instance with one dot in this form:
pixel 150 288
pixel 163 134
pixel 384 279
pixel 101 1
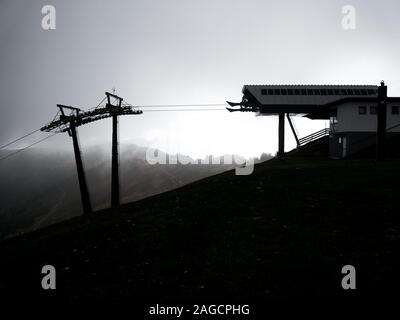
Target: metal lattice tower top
pixel 78 117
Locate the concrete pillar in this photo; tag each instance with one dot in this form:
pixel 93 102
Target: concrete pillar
pixel 281 130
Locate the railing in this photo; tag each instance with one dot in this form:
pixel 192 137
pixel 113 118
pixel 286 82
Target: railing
pixel 313 136
pixel 325 132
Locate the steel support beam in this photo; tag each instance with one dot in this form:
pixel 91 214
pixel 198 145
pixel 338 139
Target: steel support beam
pixel 87 207
pixel 381 122
pixel 293 130
pixel 114 163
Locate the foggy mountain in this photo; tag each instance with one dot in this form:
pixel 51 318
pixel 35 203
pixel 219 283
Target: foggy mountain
pixel 39 187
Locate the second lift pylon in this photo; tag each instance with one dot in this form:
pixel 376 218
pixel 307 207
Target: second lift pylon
pixel 116 109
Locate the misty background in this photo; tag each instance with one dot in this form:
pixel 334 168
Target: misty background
pixel 169 52
pixel 185 52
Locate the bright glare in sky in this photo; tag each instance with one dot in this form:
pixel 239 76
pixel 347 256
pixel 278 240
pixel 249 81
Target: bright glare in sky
pixel 187 52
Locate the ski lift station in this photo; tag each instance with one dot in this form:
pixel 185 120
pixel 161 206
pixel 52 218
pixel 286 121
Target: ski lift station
pixel 360 115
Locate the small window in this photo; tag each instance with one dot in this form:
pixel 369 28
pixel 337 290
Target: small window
pixel 316 91
pixel 364 92
pixel 323 92
pixel 284 91
pixel 296 91
pixel 290 92
pixel 330 92
pixel 373 110
pixel 333 117
pixel 343 92
pixel 395 110
pixel 264 92
pixel 310 92
pixel 350 92
pixel 357 92
pixel 362 110
pixel 277 91
pixel 336 91
pixel 270 92
pixel 371 91
pixel 303 92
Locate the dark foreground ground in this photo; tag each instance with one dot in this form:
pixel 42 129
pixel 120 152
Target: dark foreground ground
pixel 284 232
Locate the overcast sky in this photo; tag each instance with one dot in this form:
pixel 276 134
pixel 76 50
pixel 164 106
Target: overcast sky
pixel 185 52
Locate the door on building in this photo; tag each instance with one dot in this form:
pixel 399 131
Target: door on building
pixel 344 147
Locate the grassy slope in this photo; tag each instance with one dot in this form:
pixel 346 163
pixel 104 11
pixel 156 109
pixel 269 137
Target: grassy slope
pixel 284 231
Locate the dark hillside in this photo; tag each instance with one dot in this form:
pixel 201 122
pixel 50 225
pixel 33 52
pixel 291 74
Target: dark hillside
pixel 39 187
pixel 283 232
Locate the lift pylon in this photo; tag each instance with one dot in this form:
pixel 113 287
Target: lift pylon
pixel 114 111
pixel 69 123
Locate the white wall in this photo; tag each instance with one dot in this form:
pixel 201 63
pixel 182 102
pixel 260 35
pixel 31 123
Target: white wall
pixel 350 120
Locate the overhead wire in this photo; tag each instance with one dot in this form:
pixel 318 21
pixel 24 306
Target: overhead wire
pixel 31 145
pixel 181 110
pixel 181 105
pixel 31 133
pixel 34 131
pixel 20 138
pixel 162 108
pixel 25 135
